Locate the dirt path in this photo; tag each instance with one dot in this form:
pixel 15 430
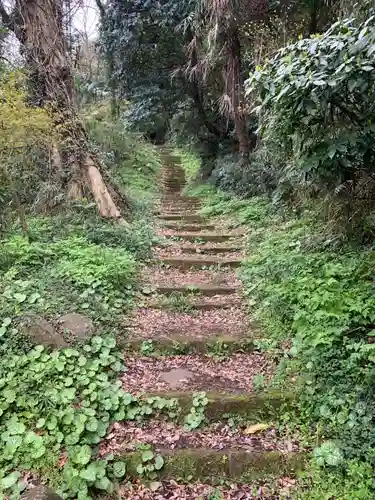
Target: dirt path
pixel 192 334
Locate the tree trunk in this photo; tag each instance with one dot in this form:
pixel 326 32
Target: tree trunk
pixel 235 90
pixel 313 23
pixel 45 49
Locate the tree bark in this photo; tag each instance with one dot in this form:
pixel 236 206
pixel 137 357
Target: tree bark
pixel 313 23
pixel 235 90
pixel 39 28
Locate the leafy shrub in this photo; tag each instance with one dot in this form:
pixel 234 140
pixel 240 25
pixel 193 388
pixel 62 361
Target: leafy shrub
pixel 356 482
pixel 55 408
pixel 217 203
pixel 190 163
pixel 132 161
pixel 136 239
pixel 83 264
pixel 257 178
pixel 316 98
pixel 320 298
pixel 60 270
pixel 26 137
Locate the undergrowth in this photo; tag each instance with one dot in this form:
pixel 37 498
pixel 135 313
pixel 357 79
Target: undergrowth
pixel 189 162
pixel 72 262
pixel 311 291
pixel 57 405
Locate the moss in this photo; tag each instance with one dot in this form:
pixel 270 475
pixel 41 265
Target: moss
pixel 253 406
pixel 212 466
pixel 178 344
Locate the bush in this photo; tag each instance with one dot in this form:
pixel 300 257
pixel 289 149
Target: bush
pixel 257 178
pixel 133 162
pixel 316 100
pixel 319 298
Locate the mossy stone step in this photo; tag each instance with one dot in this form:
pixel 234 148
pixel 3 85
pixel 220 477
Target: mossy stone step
pixel 200 289
pixel 256 407
pixel 181 217
pixel 226 302
pixel 184 262
pixel 210 249
pixel 204 237
pixel 170 157
pixel 211 466
pixel 177 204
pixel 187 344
pixel 180 198
pixel 189 227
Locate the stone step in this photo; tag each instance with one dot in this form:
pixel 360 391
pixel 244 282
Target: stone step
pixel 178 203
pixel 171 158
pixel 180 198
pixel 208 466
pixel 183 207
pixel 204 237
pixel 228 382
pixel 181 211
pixel 221 302
pixel 198 491
pixel 189 227
pixel 186 262
pixel 205 289
pixel 210 249
pixel 168 182
pixel 183 218
pixel 192 331
pixel 185 343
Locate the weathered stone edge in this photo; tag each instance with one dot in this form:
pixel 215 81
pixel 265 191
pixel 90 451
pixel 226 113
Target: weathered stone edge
pixel 192 345
pixel 255 406
pixel 212 466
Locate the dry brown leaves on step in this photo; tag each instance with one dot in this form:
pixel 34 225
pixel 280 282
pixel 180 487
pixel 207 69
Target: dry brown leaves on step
pixel 171 490
pixel 127 436
pixel 232 375
pixel 174 251
pixel 158 324
pixel 158 275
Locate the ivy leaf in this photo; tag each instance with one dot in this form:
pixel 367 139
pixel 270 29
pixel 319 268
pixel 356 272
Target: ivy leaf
pixel 83 455
pixel 16 427
pixel 147 455
pixel 10 480
pixel 82 361
pixel 34 297
pixel 92 424
pixel 119 469
pixel 40 423
pixel 20 297
pixel 159 462
pixel 88 474
pixel 109 342
pixel 7 322
pixel 104 484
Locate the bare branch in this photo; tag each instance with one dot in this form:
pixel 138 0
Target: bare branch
pixel 5 16
pixel 101 8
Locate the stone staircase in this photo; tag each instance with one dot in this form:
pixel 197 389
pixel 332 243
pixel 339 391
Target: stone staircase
pixel 194 322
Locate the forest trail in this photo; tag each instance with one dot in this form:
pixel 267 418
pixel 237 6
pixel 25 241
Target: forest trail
pixel 192 340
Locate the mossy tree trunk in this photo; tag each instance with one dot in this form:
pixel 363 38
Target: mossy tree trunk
pixel 235 90
pixel 38 24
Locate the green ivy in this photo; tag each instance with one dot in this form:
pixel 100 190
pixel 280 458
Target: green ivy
pixel 56 407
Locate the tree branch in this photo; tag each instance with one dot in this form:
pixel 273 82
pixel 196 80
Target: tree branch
pixel 101 8
pixel 6 18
